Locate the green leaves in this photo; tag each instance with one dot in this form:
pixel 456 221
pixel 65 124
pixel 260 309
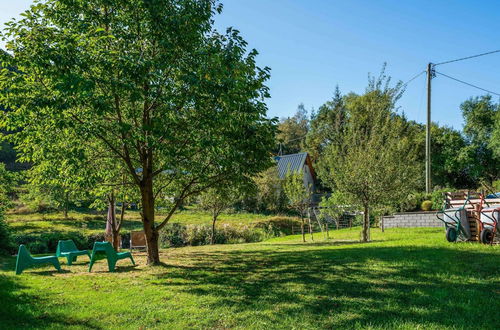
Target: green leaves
pixel 481 131
pixel 107 87
pixel 371 160
pixel 298 194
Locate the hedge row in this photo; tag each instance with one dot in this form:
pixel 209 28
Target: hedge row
pixel 47 242
pixel 173 235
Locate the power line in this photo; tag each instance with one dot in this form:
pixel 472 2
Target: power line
pixel 468 57
pixel 431 72
pixel 415 77
pixel 468 84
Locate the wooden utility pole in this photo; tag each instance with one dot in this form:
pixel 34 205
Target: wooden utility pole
pixel 428 183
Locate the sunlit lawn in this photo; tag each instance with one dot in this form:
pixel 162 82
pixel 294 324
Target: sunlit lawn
pixel 93 223
pixel 405 278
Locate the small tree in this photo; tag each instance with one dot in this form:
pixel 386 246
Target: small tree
pixel 299 197
pixel 269 191
pixel 216 200
pixel 336 206
pixel 375 163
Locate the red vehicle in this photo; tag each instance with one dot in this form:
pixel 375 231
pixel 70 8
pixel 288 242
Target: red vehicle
pixel 488 220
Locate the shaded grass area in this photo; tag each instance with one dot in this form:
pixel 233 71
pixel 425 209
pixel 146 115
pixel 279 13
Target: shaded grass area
pixel 405 278
pixel 90 222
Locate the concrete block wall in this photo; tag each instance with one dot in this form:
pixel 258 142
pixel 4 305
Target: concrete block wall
pixel 412 219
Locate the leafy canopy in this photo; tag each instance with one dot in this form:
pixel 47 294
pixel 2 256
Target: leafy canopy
pixel 146 86
pixel 298 194
pixel 374 164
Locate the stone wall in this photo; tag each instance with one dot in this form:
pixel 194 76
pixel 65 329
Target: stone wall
pixel 412 219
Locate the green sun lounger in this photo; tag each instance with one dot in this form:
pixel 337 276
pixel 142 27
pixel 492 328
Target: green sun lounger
pixel 67 249
pixel 25 260
pixel 111 255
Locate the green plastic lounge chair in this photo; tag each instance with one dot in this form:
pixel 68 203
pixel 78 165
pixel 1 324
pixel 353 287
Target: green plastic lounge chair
pixel 25 260
pixel 67 249
pixel 111 255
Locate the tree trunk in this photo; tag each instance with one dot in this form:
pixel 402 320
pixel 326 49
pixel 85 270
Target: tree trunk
pixel 66 205
pixel 319 223
pixel 310 228
pixel 212 238
pixel 302 228
pixel 148 221
pixel 366 223
pixel 115 241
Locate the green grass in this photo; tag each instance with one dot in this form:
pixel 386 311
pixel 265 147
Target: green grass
pixel 404 279
pixel 88 222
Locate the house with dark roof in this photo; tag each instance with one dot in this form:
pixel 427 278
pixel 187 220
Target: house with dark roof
pixel 297 163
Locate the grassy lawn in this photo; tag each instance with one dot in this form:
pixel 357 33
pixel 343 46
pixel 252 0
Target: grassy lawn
pixel 93 223
pixel 405 278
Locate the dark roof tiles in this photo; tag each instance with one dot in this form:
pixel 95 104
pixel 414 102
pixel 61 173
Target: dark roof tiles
pixel 290 163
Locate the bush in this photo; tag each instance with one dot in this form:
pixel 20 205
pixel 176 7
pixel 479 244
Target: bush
pixel 47 242
pixel 426 206
pixel 33 200
pixel 437 198
pixel 177 235
pixel 413 202
pixel 173 235
pixel 496 185
pixel 279 226
pixel 5 236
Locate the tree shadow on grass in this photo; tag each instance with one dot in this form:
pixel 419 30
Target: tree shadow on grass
pixel 363 286
pixel 8 264
pixel 321 243
pixel 34 271
pixel 22 309
pixel 118 269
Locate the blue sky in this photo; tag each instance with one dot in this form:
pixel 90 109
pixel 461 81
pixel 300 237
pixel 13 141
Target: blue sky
pixel 314 45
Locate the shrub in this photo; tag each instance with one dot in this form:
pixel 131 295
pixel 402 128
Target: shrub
pixel 279 225
pixel 5 236
pixel 200 235
pixel 177 235
pixel 496 185
pixel 413 202
pixel 32 200
pixel 173 235
pixel 437 198
pixel 426 205
pixel 47 242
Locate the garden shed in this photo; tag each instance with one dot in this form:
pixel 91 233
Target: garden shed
pixel 301 163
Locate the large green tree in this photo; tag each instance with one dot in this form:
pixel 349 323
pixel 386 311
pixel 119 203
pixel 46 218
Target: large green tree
pixel 292 132
pixel 450 162
pixel 494 142
pixel 480 115
pixel 374 165
pixel 326 125
pixel 151 85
